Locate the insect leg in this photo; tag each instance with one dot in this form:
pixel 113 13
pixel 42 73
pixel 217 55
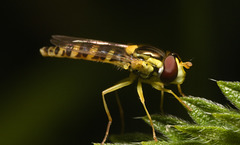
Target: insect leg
pixel 140 93
pixel 180 90
pixel 161 103
pixel 120 112
pixel 157 86
pixel 120 85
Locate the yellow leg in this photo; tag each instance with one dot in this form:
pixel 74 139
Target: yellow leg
pixel 120 85
pixel 161 103
pixel 157 86
pixel 180 90
pixel 120 112
pixel 140 93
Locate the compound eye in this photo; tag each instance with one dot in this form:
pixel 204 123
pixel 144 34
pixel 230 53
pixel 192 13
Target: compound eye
pixel 170 69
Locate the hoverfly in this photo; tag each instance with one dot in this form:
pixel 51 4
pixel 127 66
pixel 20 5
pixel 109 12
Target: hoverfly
pixel 146 64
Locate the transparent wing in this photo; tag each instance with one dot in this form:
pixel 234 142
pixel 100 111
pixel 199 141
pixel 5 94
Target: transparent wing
pixel 84 45
pixel 61 41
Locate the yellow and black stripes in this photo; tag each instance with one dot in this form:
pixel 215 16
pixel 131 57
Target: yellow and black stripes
pixel 52 51
pixel 90 52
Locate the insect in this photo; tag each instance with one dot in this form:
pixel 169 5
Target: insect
pixel 146 64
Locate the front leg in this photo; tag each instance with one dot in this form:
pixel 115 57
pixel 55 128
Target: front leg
pixel 158 86
pixel 180 90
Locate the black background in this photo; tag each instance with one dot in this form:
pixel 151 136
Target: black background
pixel 58 101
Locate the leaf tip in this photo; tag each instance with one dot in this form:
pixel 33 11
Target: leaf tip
pixel 211 79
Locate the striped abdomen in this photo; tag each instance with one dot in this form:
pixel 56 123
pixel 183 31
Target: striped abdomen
pixel 106 54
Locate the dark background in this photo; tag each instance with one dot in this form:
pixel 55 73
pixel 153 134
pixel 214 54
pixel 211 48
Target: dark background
pixel 58 101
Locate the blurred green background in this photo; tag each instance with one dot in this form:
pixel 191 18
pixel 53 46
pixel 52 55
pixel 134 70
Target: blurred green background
pixel 58 101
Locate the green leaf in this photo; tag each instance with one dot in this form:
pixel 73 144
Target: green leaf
pixel 202 109
pixel 204 104
pixel 126 143
pixel 131 137
pixel 185 142
pixel 165 125
pixel 233 119
pixel 213 134
pixel 231 90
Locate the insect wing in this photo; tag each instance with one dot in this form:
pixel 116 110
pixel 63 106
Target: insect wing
pixel 61 40
pixel 84 46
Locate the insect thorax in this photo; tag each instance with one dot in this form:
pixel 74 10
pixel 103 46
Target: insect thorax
pixel 147 62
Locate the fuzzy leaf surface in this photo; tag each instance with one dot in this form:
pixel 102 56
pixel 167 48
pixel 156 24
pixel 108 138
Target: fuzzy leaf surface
pixel 231 90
